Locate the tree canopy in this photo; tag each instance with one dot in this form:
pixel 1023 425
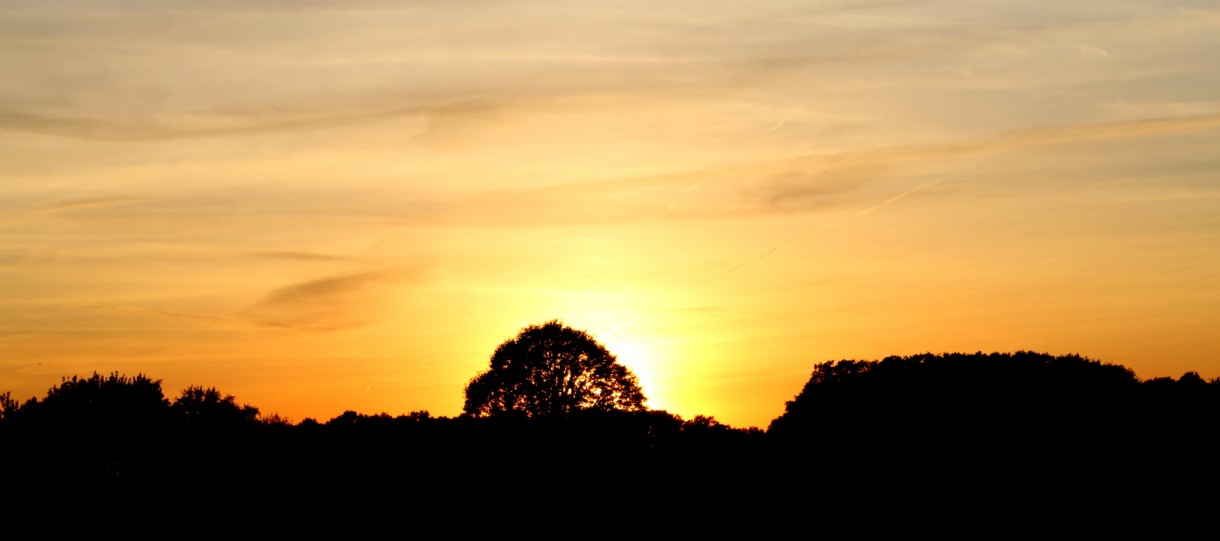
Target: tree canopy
pixel 207 406
pixel 98 400
pixel 551 369
pixel 957 398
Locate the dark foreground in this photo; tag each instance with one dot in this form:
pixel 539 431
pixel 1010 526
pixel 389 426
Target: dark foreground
pixel 1004 444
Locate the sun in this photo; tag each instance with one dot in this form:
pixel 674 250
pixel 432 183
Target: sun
pixel 641 358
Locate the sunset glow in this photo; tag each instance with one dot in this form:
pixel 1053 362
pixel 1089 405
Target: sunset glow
pixel 319 208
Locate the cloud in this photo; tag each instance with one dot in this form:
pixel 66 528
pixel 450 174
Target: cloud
pixel 832 180
pixel 299 256
pixel 1112 130
pixel 333 302
pixel 325 304
pixel 809 183
pixel 230 125
pixel 803 190
pixel 88 203
pixel 221 320
pixel 323 291
pixel 1020 139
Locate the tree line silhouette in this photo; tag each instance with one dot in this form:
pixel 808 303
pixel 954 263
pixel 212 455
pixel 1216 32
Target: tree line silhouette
pixel 929 418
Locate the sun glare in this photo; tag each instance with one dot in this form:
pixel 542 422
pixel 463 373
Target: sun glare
pixel 640 358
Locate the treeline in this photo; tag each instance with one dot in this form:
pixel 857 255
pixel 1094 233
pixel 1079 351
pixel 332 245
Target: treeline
pixel 906 416
pixel 122 429
pixel 1030 411
pixel 998 397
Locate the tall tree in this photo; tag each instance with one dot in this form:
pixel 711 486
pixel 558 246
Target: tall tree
pixel 552 370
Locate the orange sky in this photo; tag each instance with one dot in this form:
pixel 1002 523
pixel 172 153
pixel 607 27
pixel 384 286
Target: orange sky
pixel 319 208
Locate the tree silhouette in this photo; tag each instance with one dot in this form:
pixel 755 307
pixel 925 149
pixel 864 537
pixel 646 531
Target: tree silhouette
pixel 8 405
pixel 552 370
pixel 962 405
pixel 202 406
pixel 95 428
pixel 111 402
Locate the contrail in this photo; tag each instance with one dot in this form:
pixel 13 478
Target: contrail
pixel 786 117
pixel 899 196
pixel 782 246
pixel 622 326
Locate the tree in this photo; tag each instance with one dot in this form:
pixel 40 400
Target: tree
pixel 201 406
pixel 102 402
pixel 8 405
pixel 552 370
pixel 95 428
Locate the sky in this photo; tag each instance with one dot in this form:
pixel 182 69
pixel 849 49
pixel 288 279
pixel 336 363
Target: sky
pixel 328 206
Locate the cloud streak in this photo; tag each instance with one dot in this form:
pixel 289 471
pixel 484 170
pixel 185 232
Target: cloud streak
pixel 334 302
pixel 328 291
pixel 220 320
pixel 300 256
pixel 110 130
pixel 89 203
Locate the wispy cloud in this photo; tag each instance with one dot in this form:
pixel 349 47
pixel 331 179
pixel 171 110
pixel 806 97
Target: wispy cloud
pixel 299 256
pixel 221 320
pixel 327 291
pixel 1119 129
pixel 88 203
pixel 333 302
pixel 804 190
pixel 325 304
pixel 223 125
pixel 1025 138
pixel 810 183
